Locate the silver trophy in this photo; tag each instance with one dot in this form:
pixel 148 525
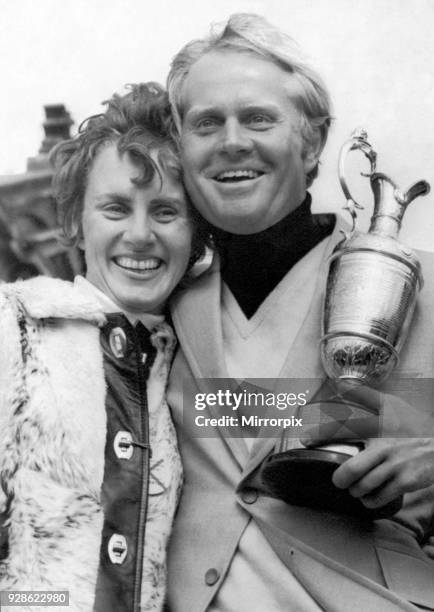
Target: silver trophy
pixel 373 282
pixel 371 293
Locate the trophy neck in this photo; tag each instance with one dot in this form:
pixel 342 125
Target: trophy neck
pixel 391 204
pixel 388 210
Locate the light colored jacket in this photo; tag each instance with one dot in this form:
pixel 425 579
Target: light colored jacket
pixel 343 564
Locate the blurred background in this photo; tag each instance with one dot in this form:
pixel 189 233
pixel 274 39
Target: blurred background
pixel 377 57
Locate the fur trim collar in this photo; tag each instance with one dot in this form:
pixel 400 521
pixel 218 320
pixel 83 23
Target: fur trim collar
pixel 45 298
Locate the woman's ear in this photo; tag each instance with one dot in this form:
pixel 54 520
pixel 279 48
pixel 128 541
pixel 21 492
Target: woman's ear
pixel 78 231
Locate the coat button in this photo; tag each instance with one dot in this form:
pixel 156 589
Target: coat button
pixel 249 496
pixel 118 342
pixel 211 576
pixel 123 445
pixel 117 549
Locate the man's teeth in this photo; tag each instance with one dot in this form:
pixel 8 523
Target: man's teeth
pixel 151 263
pixel 236 175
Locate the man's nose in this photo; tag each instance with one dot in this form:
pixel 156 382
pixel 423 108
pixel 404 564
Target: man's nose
pixel 235 138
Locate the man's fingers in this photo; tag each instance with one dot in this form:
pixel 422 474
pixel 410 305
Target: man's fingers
pixel 375 479
pixel 387 469
pixel 370 478
pixel 382 496
pixel 358 467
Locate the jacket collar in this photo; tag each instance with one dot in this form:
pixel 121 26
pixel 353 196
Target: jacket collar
pixel 45 298
pixel 196 314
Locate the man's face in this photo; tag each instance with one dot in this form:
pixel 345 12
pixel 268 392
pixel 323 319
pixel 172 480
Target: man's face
pixel 242 148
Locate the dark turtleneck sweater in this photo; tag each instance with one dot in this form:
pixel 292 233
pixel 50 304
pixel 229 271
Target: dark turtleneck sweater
pixel 252 265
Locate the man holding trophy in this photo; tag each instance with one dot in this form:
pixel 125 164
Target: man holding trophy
pixel 253 118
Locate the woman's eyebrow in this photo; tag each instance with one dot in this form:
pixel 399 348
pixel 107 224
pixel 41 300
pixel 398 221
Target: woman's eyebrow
pixel 174 201
pixel 113 195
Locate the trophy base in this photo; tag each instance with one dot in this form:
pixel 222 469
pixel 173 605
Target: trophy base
pixel 303 477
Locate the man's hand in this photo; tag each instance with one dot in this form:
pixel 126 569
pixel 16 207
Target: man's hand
pixel 386 469
pixel 396 458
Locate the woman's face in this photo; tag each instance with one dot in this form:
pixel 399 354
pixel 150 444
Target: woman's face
pixel 136 238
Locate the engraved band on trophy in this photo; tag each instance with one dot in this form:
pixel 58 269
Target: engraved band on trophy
pixel 371 292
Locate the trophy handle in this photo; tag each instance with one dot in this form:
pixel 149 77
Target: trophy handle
pixel 358 141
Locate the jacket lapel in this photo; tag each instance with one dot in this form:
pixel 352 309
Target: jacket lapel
pixel 196 315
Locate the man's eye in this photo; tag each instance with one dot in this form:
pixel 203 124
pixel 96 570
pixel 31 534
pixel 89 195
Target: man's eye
pixel 258 121
pixel 206 124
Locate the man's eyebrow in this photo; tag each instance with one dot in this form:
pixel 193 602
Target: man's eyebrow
pixel 200 111
pixel 267 107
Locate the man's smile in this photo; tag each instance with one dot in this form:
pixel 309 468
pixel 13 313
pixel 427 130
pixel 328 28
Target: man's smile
pixel 228 176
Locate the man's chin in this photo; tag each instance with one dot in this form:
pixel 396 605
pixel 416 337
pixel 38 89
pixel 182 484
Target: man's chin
pixel 242 224
pixel 233 217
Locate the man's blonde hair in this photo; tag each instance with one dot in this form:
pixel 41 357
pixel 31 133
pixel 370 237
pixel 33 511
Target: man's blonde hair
pixel 251 33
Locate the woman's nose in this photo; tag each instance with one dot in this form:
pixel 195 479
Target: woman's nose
pixel 140 230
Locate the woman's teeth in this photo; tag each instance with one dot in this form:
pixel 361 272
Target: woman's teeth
pixel 151 263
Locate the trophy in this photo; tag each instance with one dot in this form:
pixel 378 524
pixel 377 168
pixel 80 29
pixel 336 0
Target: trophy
pixel 371 292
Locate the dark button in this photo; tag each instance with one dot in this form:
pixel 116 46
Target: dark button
pixel 211 576
pixel 249 496
pixel 118 342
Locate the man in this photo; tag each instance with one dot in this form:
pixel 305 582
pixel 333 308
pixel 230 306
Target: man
pixel 253 120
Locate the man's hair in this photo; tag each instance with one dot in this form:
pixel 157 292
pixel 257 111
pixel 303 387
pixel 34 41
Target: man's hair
pixel 253 34
pixel 138 123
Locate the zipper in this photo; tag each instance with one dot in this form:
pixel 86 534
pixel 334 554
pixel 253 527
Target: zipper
pixel 146 455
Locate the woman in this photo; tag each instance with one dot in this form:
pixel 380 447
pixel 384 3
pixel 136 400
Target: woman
pixel 89 464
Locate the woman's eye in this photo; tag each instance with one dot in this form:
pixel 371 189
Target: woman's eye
pixel 165 214
pixel 115 209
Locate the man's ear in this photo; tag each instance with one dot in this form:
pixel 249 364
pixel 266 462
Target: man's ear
pixel 313 150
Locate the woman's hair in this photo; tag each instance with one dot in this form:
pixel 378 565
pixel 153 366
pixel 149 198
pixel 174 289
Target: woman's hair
pixel 250 33
pixel 138 123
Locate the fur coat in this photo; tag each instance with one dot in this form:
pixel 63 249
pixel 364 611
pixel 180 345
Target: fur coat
pixel 53 435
